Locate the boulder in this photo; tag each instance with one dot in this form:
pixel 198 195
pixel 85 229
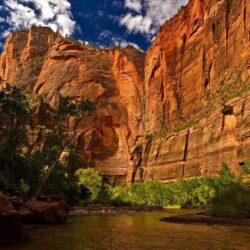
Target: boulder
pixel 11 228
pixel 39 212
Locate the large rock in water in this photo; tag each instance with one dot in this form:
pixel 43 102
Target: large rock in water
pixel 11 228
pixel 40 212
pixel 199 60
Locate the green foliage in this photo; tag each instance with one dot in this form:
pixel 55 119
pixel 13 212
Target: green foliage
pixel 14 112
pixel 14 119
pixel 66 108
pixel 91 180
pixel 25 166
pixel 86 106
pixel 245 169
pixel 117 47
pixel 24 188
pixel 119 196
pixel 149 193
pixel 232 201
pixel 193 193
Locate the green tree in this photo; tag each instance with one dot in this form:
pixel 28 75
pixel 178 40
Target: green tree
pixel 91 180
pixel 60 138
pixel 14 119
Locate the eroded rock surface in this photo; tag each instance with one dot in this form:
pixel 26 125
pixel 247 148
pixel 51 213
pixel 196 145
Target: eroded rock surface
pixel 224 136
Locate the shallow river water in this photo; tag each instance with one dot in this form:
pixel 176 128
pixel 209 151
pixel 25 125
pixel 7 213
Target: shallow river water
pixel 131 232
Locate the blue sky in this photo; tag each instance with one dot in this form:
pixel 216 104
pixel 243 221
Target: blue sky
pixel 101 22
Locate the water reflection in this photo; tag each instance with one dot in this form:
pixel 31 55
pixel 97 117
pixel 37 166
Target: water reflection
pixel 142 231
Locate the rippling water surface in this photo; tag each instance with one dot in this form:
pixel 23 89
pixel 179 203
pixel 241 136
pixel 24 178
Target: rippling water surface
pixel 131 232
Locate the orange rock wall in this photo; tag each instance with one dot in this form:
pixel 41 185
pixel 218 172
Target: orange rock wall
pixel 199 60
pixel 192 54
pixel 223 137
pixel 40 61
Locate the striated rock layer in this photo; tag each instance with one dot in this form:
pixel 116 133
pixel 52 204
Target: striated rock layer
pixel 197 56
pixel 162 116
pixel 223 137
pixel 199 60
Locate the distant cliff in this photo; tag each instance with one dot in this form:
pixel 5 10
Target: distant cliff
pixel 178 111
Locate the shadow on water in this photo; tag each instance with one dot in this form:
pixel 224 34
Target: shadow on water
pixel 142 231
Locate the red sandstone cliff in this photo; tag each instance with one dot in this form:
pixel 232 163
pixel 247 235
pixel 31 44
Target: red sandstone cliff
pixel 42 62
pixel 196 54
pixel 199 60
pixel 166 123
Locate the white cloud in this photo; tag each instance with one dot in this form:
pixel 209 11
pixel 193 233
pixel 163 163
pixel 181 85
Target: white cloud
pixel 53 13
pixel 133 4
pixel 151 15
pixel 137 24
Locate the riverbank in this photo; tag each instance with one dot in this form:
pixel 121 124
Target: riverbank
pixel 204 219
pixel 108 209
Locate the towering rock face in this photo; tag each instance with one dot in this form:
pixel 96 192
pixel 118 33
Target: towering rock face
pixel 42 62
pixel 199 60
pixel 172 114
pixel 23 56
pixel 195 56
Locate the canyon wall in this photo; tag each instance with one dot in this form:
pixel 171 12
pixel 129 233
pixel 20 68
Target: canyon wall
pixel 178 111
pixel 197 55
pixel 199 60
pixel 42 62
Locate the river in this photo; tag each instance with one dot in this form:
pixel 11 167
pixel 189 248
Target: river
pixel 139 231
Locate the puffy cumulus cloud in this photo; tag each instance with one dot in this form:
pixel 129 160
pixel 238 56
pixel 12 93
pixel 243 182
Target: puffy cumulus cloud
pixel 137 23
pixel 53 13
pixel 115 40
pixel 134 5
pixel 151 15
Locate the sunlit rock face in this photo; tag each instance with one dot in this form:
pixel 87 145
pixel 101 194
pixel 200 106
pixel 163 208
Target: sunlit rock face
pixel 194 55
pixel 178 111
pixel 223 137
pixel 199 60
pixel 23 56
pixel 42 62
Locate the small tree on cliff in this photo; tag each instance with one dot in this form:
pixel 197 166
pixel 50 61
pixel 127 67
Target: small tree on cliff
pixel 61 137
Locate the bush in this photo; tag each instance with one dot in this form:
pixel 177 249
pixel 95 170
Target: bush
pixel 91 180
pixel 150 194
pixel 139 195
pixel 119 196
pixel 232 202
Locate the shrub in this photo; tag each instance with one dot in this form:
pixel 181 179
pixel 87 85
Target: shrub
pixel 119 196
pixel 24 188
pixel 139 194
pixel 156 193
pixel 151 193
pixel 193 193
pixel 91 180
pixel 232 202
